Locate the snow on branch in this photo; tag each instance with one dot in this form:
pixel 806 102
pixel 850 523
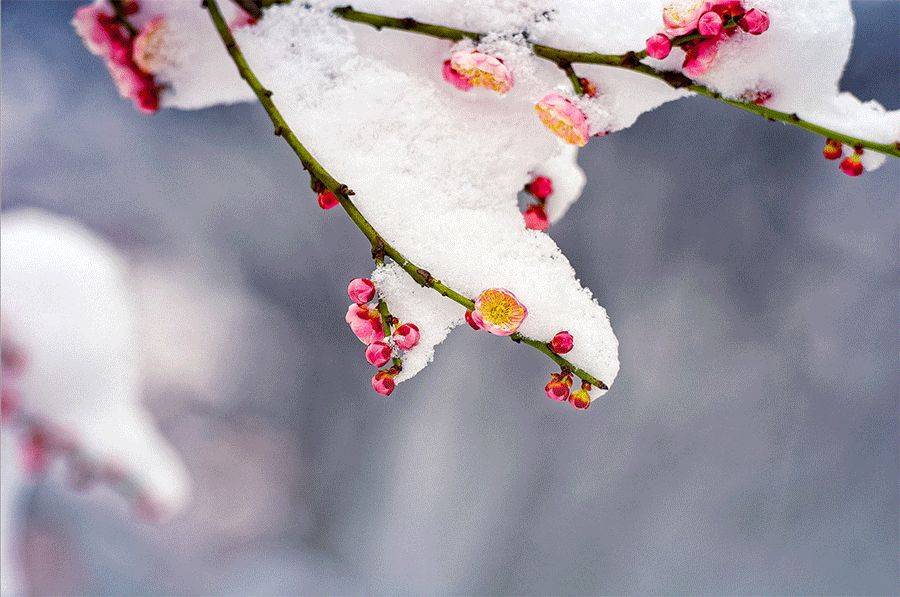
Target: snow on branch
pixel 439 116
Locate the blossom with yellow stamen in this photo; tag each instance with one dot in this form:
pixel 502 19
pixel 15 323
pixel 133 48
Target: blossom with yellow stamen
pixel 564 118
pixel 499 312
pixel 481 70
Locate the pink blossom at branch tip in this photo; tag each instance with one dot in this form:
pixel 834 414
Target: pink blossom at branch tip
pixel 498 311
pixel 580 399
pixel 327 200
pixel 710 24
pixel 482 70
pixel 361 290
pixel 754 21
pixel 832 150
pixel 378 353
pixel 658 46
pixel 149 46
pixel 564 118
pixel 406 336
pixel 852 164
pixel 536 218
pixel 454 78
pixel 383 383
pixel 541 187
pixel 699 56
pixel 365 323
pixel 557 389
pixel 471 321
pixel 562 342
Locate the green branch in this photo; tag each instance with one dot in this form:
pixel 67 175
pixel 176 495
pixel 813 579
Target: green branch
pixel 343 193
pixel 629 60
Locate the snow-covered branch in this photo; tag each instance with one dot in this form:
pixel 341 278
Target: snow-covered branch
pixel 343 193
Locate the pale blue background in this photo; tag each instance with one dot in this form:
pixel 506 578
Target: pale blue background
pixel 748 446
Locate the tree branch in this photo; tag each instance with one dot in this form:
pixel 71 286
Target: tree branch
pixel 343 192
pixel 629 60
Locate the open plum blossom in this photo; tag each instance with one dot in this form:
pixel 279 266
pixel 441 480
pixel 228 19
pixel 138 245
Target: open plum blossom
pixel 708 23
pixel 149 46
pixel 365 323
pixel 499 312
pixel 564 118
pixel 580 398
pixel 105 36
pixel 470 68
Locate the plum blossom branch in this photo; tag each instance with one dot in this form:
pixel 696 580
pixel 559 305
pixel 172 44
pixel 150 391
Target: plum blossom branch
pixel 343 193
pixel 629 60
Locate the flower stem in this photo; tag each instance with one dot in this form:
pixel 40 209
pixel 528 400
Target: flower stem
pixel 343 193
pixel 629 60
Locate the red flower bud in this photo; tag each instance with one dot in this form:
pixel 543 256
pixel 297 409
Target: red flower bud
pixel 541 187
pixel 378 353
pixel 562 342
pixel 327 200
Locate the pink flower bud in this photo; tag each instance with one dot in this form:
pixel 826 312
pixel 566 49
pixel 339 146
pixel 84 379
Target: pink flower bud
pixel 327 200
pixel 852 164
pixel 562 342
pixel 378 353
pixel 556 389
pixel 454 78
pixel 482 70
pixel 365 323
pixel 564 118
pixel 710 24
pixel 471 321
pixel 658 46
pixel 536 218
pixel 754 21
pixel 35 452
pixel 541 187
pixel 832 150
pixel 580 399
pixel 406 336
pixel 361 290
pixel 383 383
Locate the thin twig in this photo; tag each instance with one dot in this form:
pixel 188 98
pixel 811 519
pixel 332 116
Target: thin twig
pixel 343 193
pixel 629 60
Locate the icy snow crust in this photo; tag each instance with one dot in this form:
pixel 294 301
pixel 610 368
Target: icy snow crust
pixel 437 170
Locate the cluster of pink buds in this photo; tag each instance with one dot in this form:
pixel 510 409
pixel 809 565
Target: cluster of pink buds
pixel 367 324
pixel 559 388
pixel 497 311
pixel 466 69
pixel 131 58
pixel 851 165
pixel 706 24
pixel 535 214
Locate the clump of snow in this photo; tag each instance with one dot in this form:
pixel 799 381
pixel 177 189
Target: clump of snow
pixel 436 170
pixel 66 306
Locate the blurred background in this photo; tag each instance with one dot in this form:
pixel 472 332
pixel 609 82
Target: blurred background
pixel 749 444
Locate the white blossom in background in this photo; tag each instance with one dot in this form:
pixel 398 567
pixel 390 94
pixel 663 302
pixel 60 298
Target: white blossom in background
pixel 75 393
pixel 438 138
